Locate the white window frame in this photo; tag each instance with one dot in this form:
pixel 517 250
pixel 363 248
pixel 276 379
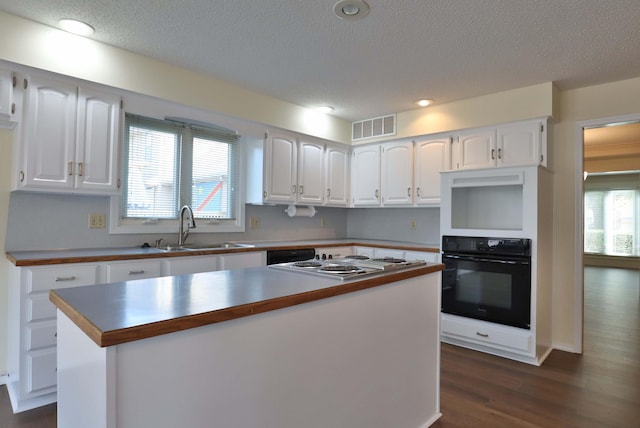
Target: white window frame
pixel 119 225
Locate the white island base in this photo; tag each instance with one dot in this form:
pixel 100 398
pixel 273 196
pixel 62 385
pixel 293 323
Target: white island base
pixel 365 359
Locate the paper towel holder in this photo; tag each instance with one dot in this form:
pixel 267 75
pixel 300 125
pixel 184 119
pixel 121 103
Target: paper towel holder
pixel 293 211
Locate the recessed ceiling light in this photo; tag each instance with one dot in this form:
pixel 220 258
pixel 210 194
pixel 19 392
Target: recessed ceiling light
pixel 424 102
pixel 76 27
pixel 324 109
pixel 351 9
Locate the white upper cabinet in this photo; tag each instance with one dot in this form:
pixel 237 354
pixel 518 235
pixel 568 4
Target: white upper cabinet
pixel 69 138
pixel 521 144
pixel 49 135
pixel 310 185
pixel 97 140
pixel 476 149
pixel 7 103
pixel 293 170
pixel 337 175
pixel 397 173
pixel 517 144
pixel 365 176
pixel 280 169
pixel 431 157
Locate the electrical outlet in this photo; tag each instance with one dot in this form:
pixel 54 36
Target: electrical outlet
pixel 254 222
pixel 96 221
pixel 412 225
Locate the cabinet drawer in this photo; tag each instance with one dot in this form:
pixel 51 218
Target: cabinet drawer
pixel 48 278
pixel 42 335
pixel 488 334
pixel 127 271
pixel 422 255
pixel 41 370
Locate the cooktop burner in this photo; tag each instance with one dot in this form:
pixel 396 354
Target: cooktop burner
pixel 389 260
pixel 307 264
pixel 357 257
pixel 339 269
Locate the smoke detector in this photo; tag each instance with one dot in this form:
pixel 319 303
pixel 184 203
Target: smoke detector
pixel 351 9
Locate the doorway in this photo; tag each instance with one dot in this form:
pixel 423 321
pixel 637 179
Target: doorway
pixel 608 156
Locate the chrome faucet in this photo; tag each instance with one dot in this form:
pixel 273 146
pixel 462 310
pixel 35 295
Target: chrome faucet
pixel 192 224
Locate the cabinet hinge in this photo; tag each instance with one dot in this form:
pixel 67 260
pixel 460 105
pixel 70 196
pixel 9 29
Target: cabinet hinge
pixel 121 104
pixel 541 158
pixel 541 127
pixel 266 136
pixel 118 183
pixel 25 83
pixel 14 81
pixel 13 108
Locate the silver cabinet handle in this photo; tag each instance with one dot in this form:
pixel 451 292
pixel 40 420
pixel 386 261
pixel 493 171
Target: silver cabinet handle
pixel 481 334
pixel 499 153
pixel 377 194
pixel 293 189
pixel 80 168
pixel 65 278
pixel 493 154
pixel 409 191
pixel 328 193
pixel 136 272
pixel 301 189
pixel 417 191
pixel 70 168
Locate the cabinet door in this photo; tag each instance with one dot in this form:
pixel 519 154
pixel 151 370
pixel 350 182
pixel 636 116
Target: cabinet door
pixel 186 265
pixel 97 141
pixel 242 260
pixel 397 173
pixel 431 157
pixel 310 183
pixel 336 176
pixel 49 135
pixel 7 83
pixel 131 270
pixel 519 144
pixel 280 170
pixel 365 175
pixel 477 150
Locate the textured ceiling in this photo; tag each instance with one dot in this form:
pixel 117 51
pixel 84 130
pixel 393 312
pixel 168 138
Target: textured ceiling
pixel 298 51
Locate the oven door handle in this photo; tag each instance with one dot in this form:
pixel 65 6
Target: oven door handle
pixel 480 259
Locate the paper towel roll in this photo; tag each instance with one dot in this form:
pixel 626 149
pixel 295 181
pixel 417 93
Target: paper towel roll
pixel 294 211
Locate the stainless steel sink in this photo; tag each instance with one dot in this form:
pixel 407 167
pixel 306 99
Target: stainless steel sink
pixel 195 247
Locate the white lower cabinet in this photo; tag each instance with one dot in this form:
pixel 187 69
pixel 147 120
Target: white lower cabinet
pixel 496 338
pixel 132 269
pixel 186 265
pixel 241 260
pixel 32 329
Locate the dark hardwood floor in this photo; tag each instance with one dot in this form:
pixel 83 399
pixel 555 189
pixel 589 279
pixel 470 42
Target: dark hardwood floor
pixel 600 388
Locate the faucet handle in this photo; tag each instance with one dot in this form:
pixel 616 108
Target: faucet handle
pixel 159 242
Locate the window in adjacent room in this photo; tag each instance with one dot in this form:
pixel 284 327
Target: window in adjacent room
pixel 168 164
pixel 612 219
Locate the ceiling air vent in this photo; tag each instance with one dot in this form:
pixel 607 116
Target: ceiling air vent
pixel 373 128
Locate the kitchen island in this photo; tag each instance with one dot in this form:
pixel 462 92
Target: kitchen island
pixel 251 347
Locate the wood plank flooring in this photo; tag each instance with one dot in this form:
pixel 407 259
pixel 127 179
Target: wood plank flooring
pixel 600 388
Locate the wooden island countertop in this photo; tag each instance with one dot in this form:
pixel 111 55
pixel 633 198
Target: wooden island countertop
pixel 117 313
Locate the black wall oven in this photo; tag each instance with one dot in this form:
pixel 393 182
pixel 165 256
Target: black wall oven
pixel 487 279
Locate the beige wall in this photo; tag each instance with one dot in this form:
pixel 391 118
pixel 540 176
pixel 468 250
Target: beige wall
pixel 6 142
pixel 603 101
